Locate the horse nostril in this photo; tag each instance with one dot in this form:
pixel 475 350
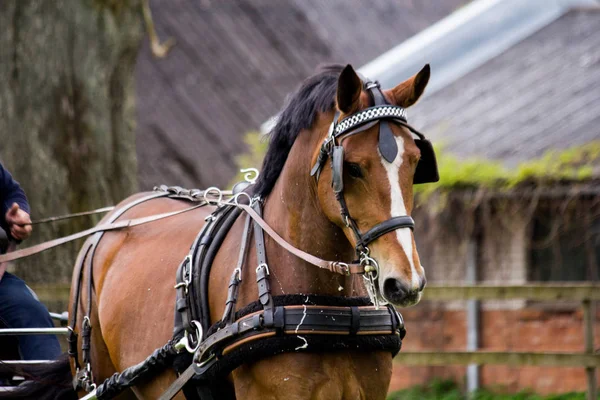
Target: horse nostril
pixel 423 283
pixel 394 290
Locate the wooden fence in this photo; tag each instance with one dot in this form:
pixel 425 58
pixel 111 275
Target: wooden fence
pixel 586 294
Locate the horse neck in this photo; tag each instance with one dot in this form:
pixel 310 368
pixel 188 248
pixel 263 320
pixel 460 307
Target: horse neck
pixel 293 210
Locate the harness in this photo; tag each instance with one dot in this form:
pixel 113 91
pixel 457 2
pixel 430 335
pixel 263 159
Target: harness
pixel 272 324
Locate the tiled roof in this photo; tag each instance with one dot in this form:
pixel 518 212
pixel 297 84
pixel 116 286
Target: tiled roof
pixel 542 93
pixel 233 65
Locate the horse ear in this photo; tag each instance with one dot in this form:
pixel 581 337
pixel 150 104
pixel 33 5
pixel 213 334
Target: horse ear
pixel 408 92
pixel 348 91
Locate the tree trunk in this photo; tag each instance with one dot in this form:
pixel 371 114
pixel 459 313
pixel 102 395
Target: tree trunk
pixel 67 114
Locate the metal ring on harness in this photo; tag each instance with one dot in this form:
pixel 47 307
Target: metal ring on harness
pixel 199 334
pixel 371 266
pixel 219 196
pixel 237 196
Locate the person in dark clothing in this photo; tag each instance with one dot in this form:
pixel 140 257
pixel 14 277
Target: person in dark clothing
pixel 19 308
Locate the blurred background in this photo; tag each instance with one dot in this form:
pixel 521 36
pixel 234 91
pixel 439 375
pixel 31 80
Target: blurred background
pixel 103 98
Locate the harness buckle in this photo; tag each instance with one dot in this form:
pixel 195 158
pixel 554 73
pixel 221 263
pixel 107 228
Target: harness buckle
pixel 187 279
pixel 346 220
pixel 372 85
pixel 345 268
pixel 238 273
pixel 265 266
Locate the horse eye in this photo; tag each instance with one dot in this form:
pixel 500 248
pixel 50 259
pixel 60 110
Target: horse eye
pixel 354 170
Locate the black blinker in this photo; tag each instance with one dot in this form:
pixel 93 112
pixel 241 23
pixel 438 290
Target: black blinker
pixel 427 170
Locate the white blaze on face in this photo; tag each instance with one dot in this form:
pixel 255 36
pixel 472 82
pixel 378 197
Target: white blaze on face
pixel 399 208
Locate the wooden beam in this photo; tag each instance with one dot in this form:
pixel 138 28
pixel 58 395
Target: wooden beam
pixel 497 357
pixel 539 291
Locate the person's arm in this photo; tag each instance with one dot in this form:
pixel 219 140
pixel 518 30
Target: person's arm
pixel 14 216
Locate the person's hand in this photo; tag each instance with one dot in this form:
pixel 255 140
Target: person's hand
pixel 19 222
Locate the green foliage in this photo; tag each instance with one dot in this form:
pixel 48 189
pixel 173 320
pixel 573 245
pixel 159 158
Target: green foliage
pixel 574 164
pixel 437 389
pixel 449 390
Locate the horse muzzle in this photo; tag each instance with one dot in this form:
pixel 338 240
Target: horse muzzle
pixel 399 293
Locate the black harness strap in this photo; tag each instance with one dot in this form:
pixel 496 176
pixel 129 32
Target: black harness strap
pixel 262 270
pixel 72 338
pixel 200 288
pixel 403 221
pixel 236 276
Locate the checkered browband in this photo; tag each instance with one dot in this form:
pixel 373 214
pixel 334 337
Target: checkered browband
pixel 370 114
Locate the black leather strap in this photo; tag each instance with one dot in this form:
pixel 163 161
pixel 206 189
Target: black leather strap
pixel 262 270
pixel 236 276
pixel 355 320
pixel 390 225
pixel 301 319
pixel 200 291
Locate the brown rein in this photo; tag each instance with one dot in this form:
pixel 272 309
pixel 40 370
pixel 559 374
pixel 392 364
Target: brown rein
pixel 333 266
pixel 29 251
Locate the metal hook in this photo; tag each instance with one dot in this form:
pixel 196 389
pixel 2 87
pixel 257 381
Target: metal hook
pixel 250 175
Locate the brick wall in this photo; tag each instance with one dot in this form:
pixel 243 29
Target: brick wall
pixel 533 328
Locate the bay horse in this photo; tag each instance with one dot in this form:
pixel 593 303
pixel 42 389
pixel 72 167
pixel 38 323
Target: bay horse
pixel 134 269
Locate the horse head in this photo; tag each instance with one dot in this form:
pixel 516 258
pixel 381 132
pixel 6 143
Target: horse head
pixel 365 170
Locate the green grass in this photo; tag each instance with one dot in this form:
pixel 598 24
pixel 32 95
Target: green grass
pixel 449 390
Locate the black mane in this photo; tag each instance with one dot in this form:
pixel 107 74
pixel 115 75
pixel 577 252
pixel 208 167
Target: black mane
pixel 316 94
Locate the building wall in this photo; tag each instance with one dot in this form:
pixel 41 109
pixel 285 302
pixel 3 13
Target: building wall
pixel 503 247
pixel 525 330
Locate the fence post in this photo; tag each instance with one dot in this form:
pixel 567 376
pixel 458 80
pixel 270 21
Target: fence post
pixel 588 329
pixel 472 318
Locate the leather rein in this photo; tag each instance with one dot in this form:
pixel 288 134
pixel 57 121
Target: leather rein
pixel 333 266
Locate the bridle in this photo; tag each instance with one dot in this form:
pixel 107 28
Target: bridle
pixel 381 112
